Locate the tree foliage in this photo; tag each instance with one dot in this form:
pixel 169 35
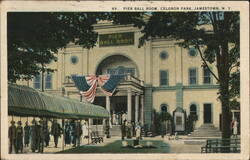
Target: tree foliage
pixel 35 38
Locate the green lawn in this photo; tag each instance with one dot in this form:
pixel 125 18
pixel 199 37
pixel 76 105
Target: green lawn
pixel 116 147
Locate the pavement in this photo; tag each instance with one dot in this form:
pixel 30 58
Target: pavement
pixel 176 146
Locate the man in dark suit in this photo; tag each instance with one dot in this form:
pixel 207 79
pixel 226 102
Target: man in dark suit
pixel 56 131
pixel 12 136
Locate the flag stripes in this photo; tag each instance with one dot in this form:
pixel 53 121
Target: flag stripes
pixel 87 85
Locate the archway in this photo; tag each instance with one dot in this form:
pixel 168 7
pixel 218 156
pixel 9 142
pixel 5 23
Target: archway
pixel 117 64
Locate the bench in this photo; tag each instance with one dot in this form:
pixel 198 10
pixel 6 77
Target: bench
pixel 95 138
pixel 218 145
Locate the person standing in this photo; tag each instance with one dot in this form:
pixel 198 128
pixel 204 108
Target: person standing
pixel 129 130
pixel 78 133
pixel 85 130
pixel 123 117
pixel 67 133
pixel 46 133
pixel 138 131
pixel 123 129
pixel 40 136
pixel 33 135
pixel 73 133
pixel 113 118
pixel 19 137
pixel 116 119
pixel 26 134
pixel 133 128
pixel 12 137
pixel 235 128
pixel 56 131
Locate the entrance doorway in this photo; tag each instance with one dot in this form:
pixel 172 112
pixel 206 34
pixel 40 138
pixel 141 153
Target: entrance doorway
pixel 207 113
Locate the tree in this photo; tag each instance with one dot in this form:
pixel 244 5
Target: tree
pixel 34 39
pixel 215 35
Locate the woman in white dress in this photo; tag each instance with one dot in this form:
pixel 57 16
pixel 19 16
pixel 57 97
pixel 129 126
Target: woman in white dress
pixel 138 131
pixel 235 128
pixel 84 130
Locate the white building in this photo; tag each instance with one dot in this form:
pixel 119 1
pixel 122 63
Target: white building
pixel 160 75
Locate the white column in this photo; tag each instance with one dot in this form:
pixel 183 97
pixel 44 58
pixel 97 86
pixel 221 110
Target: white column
pixel 129 104
pixel 108 103
pixel 90 121
pixel 137 108
pixel 142 109
pixel 108 108
pixel 63 124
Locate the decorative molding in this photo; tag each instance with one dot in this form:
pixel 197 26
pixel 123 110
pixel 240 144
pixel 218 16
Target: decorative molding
pixel 196 87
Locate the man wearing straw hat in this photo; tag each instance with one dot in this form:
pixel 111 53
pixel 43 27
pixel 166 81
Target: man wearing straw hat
pixel 12 137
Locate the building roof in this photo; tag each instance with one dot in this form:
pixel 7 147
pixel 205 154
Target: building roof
pixel 26 101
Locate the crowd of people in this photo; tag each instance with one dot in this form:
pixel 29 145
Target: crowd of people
pixel 37 135
pixel 118 118
pixel 131 129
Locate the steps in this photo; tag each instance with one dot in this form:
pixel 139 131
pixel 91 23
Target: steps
pixel 206 130
pixel 115 130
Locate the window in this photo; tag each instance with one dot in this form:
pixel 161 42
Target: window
pixel 164 55
pixel 193 109
pixel 97 121
pixel 121 70
pixel 192 52
pixel 193 76
pixel 48 81
pixel 163 77
pixel 74 59
pixel 164 108
pixel 206 76
pixel 37 82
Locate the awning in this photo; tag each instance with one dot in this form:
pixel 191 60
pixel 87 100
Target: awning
pixel 26 101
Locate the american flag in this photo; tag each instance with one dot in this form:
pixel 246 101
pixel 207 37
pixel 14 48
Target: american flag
pixel 87 85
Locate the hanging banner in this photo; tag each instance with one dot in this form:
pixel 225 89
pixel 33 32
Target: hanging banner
pixel 87 85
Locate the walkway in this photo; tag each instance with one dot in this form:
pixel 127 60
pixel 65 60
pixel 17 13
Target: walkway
pixel 175 146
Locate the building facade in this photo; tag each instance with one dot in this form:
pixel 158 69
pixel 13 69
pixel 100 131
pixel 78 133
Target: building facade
pixel 160 75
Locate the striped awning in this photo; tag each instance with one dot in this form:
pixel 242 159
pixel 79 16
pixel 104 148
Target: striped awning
pixel 26 101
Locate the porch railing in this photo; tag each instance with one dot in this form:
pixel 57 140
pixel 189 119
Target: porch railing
pixel 127 78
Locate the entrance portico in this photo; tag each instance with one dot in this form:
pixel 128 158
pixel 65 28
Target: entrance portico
pixel 128 98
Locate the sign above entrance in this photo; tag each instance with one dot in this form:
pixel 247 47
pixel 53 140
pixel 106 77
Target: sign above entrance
pixel 116 39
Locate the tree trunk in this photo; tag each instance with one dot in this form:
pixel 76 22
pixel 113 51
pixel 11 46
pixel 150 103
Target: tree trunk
pixel 223 72
pixel 226 120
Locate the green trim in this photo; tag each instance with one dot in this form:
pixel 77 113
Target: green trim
pixel 22 111
pixel 179 95
pixel 207 86
pixel 204 86
pixel 148 105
